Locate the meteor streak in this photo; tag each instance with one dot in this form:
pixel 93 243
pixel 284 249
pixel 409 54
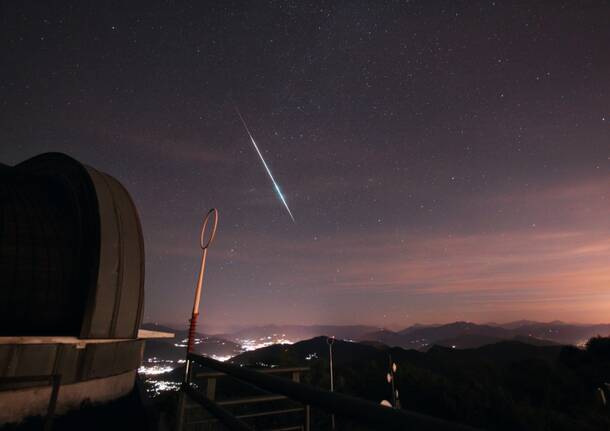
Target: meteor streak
pixel 277 188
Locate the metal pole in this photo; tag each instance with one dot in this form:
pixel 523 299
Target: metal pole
pixel 195 314
pixel 330 342
pixel 332 380
pixel 181 409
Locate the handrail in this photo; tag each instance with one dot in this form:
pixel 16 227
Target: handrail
pixel 231 421
pixel 358 409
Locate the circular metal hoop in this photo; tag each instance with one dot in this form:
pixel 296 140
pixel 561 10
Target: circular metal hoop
pixel 204 226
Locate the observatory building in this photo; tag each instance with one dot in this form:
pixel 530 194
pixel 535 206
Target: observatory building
pixel 71 287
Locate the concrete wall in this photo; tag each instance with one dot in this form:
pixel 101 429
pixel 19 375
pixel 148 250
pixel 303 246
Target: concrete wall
pixel 15 405
pixel 75 362
pixel 95 370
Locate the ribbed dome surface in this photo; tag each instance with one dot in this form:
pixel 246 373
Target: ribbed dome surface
pixel 71 252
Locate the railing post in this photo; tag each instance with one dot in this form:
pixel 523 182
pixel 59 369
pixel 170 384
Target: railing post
pixel 211 388
pixel 181 407
pixel 296 377
pixel 55 384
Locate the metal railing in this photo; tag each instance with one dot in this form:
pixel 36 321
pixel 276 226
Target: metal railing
pixel 357 410
pixel 54 380
pixel 258 403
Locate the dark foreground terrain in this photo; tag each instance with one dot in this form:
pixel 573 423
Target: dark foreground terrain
pixel 509 385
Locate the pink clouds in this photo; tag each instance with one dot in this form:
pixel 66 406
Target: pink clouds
pixel 550 270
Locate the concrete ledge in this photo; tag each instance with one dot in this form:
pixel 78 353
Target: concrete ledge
pixel 16 405
pixel 143 334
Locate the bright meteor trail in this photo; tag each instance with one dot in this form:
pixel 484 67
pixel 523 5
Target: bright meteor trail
pixel 277 188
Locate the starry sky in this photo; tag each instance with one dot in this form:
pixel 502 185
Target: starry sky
pixel 443 160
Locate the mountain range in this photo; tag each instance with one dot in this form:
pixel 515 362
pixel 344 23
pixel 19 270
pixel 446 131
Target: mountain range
pixel 504 385
pixel 174 349
pixel 299 332
pixel 460 335
pixel 311 351
pixel 469 335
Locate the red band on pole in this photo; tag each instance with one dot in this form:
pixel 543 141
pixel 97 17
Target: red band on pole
pixel 191 335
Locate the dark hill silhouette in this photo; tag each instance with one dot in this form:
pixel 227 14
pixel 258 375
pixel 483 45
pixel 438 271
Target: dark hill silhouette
pixel 534 341
pixel 422 337
pixel 515 324
pixel 384 336
pixel 458 328
pixel 472 341
pixel 300 332
pixel 315 348
pixel 468 341
pixel 563 333
pixel 508 385
pixel 416 327
pixel 175 348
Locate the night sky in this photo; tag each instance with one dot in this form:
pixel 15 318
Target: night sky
pixel 443 160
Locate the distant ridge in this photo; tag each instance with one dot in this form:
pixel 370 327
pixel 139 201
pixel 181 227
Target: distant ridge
pixel 175 348
pixel 300 332
pixel 303 352
pixel 468 334
pixel 462 334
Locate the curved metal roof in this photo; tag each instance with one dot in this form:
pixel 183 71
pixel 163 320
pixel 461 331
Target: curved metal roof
pixel 71 251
